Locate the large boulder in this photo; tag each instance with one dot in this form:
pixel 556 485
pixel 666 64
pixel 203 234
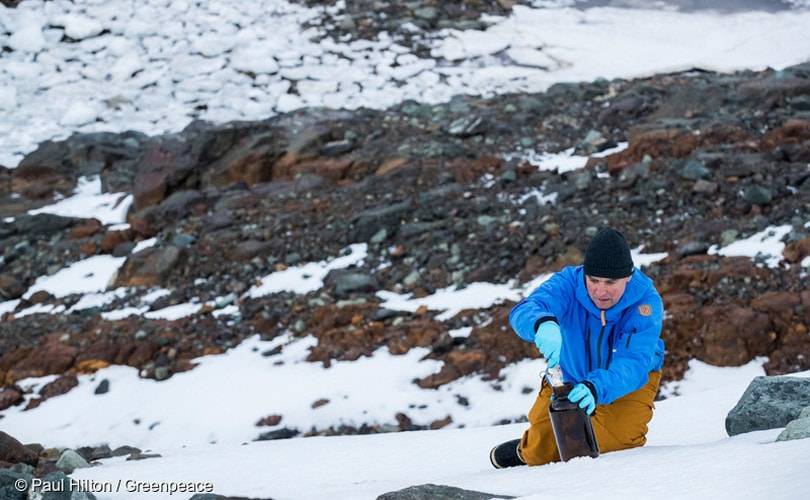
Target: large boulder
pixel 769 403
pixel 437 492
pixel 148 267
pixel 8 488
pixel 12 451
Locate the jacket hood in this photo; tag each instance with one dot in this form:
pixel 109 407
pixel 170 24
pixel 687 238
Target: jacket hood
pixel 637 287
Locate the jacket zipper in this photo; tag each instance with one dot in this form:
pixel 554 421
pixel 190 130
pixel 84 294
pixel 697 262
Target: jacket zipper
pixel 599 343
pixel 610 347
pixel 588 340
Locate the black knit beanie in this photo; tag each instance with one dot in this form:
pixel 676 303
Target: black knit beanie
pixel 608 255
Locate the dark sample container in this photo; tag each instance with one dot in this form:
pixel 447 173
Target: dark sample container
pixel 572 426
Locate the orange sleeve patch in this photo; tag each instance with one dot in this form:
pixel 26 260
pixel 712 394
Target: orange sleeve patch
pixel 645 310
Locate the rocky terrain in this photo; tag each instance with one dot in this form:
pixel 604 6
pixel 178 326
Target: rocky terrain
pixel 442 196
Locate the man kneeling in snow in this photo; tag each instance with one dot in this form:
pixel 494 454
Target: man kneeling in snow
pixel 601 323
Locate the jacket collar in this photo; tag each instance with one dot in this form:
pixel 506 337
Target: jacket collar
pixel 638 285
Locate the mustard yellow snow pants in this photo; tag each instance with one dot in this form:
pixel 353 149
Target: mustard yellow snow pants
pixel 617 426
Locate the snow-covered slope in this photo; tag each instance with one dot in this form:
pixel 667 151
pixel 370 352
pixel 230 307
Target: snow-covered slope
pixel 688 455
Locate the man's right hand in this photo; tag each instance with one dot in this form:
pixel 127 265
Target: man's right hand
pixel 549 340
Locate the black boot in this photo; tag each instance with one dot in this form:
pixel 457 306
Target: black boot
pixel 506 455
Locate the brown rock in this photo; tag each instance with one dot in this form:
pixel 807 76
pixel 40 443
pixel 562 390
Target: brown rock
pixel 10 396
pixel 59 386
pixel 776 301
pixel 794 131
pixel 466 362
pixel 466 170
pixel 85 229
pixel 142 354
pixel 146 223
pixel 797 250
pixel 148 267
pixel 14 452
pixel 40 297
pixel 391 165
pixel 672 143
pixel 734 335
pixel 333 169
pixel 91 365
pixel 33 403
pixel 10 287
pixel 438 424
pixel 319 403
pixel 446 375
pixel 114 238
pixel 403 422
pixel 36 181
pixel 51 358
pixel 88 248
pixel 269 421
pixel 251 162
pixel 165 164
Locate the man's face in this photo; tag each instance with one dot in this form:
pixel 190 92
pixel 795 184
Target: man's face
pixel 605 292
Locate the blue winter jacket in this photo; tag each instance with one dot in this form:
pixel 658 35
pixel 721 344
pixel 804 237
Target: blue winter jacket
pixel 613 349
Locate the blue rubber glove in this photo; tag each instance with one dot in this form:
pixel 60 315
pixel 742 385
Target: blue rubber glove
pixel 549 340
pixel 583 396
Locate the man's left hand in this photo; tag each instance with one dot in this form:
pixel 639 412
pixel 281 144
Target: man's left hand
pixel 583 396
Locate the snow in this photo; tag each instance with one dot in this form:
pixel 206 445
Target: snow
pixel 461 332
pixel 123 313
pixel 144 244
pixel 98 299
pixel 643 260
pixel 307 277
pixel 540 196
pixel 154 295
pixel 200 440
pixel 26 33
pixel 89 275
pixel 611 151
pixel 169 62
pixel 8 306
pixel 562 162
pixel 39 309
pixel 451 300
pixel 175 312
pixel 89 202
pixel 765 244
pixel 79 27
pixel 79 113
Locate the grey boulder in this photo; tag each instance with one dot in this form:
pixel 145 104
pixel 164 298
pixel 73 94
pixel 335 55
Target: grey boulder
pixel 769 403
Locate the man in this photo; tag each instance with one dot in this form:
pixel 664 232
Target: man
pixel 601 323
